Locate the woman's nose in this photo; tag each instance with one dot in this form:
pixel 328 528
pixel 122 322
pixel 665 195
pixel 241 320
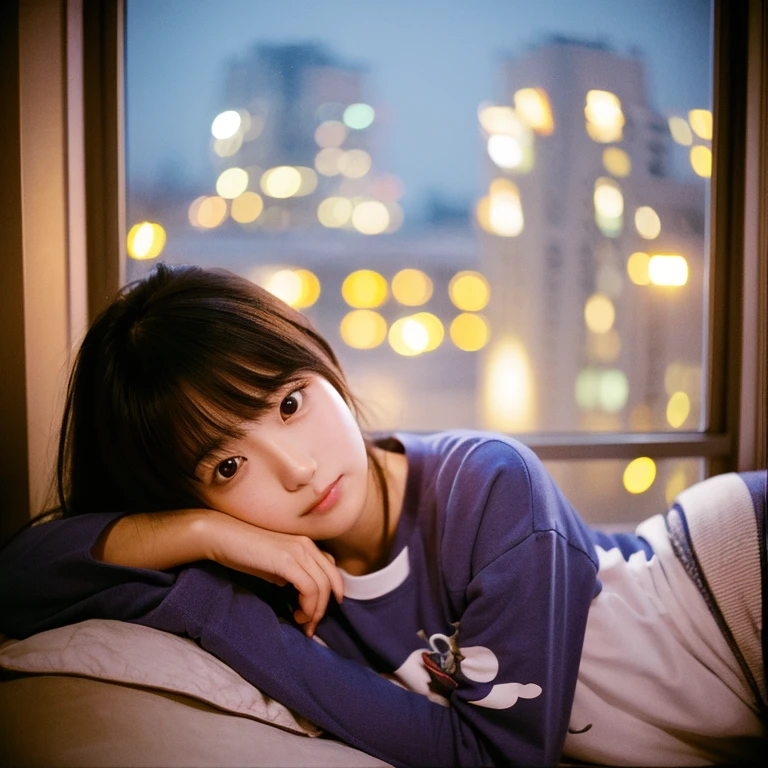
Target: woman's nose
pixel 295 467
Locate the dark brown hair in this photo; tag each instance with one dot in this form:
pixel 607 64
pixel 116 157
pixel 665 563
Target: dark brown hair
pixel 171 368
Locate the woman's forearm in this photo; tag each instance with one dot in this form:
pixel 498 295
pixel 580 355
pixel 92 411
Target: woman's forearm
pixel 156 540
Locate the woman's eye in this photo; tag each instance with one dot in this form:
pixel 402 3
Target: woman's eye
pixel 291 403
pixel 227 469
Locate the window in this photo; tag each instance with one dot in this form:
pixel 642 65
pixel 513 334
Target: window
pixel 498 216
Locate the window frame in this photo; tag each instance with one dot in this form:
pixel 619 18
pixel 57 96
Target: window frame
pixel 89 62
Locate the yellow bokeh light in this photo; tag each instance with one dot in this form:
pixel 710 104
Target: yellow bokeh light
pixel 637 268
pixel 411 287
pixel 334 212
pixel 499 120
pixel 533 108
pixel 433 327
pixel 408 337
pixel 605 346
pixel 194 210
pixel 609 202
pixel 355 163
pixel 331 133
pixel 666 269
pixel 228 147
pixel 617 162
pixel 605 118
pixel 508 388
pixel 281 182
pixel 678 408
pixel 701 123
pixel 647 222
pixel 599 313
pixel 211 212
pixel 364 289
pixel 681 131
pixel 310 288
pixel 505 151
pixel 639 475
pixel 247 207
pixel 226 124
pixel 363 329
pixel 145 240
pixel 286 285
pixel 327 161
pixel 231 183
pixel 308 181
pixel 470 332
pixel 469 291
pixel 501 212
pixel 701 161
pixel 370 217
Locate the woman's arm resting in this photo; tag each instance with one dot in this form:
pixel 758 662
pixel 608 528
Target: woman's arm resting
pixel 163 540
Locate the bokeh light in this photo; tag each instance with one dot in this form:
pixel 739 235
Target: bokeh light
pixel 501 212
pixel 608 200
pixel 639 475
pixel 286 285
pixel 370 217
pixel 605 118
pixel 617 162
pixel 647 222
pixel 637 268
pixel 469 332
pixel 678 408
pixel 364 289
pixel 599 313
pixel 701 161
pixel 226 124
pixel 145 240
pixel 411 287
pixel 508 387
pixel 331 133
pixel 666 269
pixel 327 161
pixel 681 131
pixel 533 108
pixel 281 182
pixel 354 164
pixel 505 151
pixel 499 120
pixel 701 123
pixel 363 329
pixel 209 212
pixel 247 207
pixel 469 291
pixel 334 212
pixel 358 116
pixel 231 183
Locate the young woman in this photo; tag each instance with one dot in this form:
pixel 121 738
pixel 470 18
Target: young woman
pixel 214 482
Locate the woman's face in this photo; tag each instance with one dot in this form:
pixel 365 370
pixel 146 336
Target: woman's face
pixel 301 468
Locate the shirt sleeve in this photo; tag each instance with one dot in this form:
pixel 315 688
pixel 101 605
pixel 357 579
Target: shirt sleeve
pixel 49 578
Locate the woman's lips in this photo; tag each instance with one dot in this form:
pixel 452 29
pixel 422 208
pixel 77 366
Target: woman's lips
pixel 328 498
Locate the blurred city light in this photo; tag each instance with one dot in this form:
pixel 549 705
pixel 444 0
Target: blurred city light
pixel 145 240
pixel 354 164
pixel 334 212
pixel 331 133
pixel 533 108
pixel 228 147
pixel 364 289
pixel 286 285
pixel 614 390
pixel 231 183
pixel 370 217
pixel 433 327
pixel 358 116
pixel 469 291
pixel 701 161
pixel 599 313
pixel 668 270
pixel 411 287
pixel 647 222
pixel 701 123
pixel 609 206
pixel 605 118
pixel 639 475
pixel 247 207
pixel 508 404
pixel 678 408
pixel 281 182
pixel 617 162
pixel 209 212
pixel 681 131
pixel 363 329
pixel 226 124
pixel 469 332
pixel 505 151
pixel 499 120
pixel 310 288
pixel 501 212
pixel 327 161
pixel 408 337
pixel 637 268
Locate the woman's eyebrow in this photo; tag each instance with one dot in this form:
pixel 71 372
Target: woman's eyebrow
pixel 211 450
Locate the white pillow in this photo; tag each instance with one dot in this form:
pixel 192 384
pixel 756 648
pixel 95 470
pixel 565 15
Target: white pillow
pixel 138 655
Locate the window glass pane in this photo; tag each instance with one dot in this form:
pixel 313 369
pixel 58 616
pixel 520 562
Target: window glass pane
pixel 496 212
pixel 620 494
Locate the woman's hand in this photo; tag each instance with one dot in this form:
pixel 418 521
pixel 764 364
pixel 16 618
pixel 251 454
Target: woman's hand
pixel 162 540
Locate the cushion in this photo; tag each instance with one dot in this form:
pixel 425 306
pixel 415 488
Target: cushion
pixel 142 656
